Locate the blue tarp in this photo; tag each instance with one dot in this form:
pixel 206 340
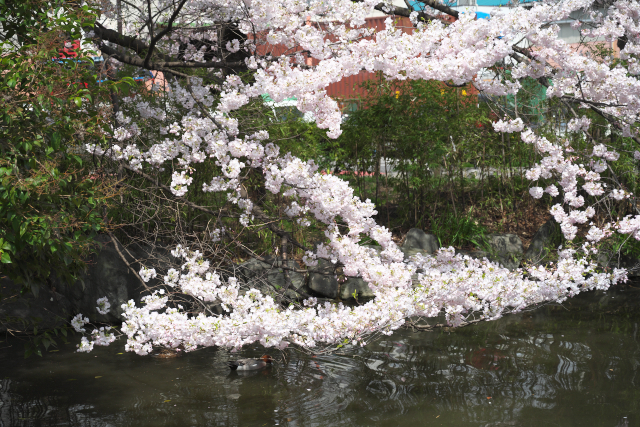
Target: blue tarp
pixel 497 2
pixel 420 6
pixel 492 2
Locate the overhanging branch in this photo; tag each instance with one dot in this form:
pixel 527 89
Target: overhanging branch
pixel 401 11
pixel 157 65
pixel 440 7
pixel 161 34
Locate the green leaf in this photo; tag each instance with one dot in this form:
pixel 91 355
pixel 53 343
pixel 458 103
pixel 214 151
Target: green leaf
pixel 5 258
pixel 55 140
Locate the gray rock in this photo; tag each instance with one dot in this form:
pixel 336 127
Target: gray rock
pixel 22 312
pixel 268 279
pixel 632 264
pixel 505 249
pixel 324 283
pixel 357 285
pixel 253 272
pixel 418 239
pixel 505 243
pixel 106 276
pixel 547 238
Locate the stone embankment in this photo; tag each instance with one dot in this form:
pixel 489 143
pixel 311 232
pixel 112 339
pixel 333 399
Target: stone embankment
pixel 107 275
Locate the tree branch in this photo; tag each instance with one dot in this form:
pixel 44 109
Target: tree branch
pixel 440 7
pixel 132 43
pixel 139 62
pixel 124 259
pixel 401 11
pixel 162 33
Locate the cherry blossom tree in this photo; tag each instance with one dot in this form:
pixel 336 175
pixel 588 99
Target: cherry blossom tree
pixel 219 56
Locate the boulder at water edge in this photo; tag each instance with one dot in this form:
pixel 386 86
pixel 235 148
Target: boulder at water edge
pixel 546 239
pixel 418 241
pixel 618 260
pixel 355 286
pixel 324 282
pixel 505 249
pixel 269 279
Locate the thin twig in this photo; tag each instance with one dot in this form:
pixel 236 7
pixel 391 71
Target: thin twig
pixel 122 257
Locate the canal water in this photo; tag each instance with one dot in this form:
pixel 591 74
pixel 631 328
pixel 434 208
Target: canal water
pixel 575 364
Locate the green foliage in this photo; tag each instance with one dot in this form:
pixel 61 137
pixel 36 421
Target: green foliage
pixel 23 22
pixel 50 201
pixel 459 231
pixel 298 137
pixel 432 135
pixel 427 130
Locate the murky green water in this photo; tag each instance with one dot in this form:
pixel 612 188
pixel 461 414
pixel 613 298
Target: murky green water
pixel 575 365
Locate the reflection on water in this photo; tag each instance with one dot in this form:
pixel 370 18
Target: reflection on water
pixel 571 365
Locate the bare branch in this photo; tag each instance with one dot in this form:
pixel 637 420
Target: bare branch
pixel 440 7
pixel 162 33
pixel 401 11
pixel 139 62
pixel 124 259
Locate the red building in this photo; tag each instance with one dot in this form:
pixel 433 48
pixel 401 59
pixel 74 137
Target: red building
pixel 348 89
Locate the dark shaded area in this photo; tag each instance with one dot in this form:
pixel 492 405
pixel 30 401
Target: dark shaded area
pixel 575 364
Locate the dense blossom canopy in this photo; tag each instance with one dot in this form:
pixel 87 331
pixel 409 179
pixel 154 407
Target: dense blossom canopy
pixel 332 32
